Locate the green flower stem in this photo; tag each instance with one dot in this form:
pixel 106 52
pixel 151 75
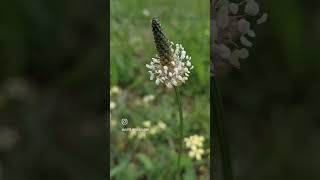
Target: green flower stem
pixel 219 129
pixel 176 89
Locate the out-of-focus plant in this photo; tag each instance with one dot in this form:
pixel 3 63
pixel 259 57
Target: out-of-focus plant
pixel 231 29
pixel 230 32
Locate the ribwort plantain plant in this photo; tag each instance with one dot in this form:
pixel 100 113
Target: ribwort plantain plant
pixel 170 67
pixel 230 34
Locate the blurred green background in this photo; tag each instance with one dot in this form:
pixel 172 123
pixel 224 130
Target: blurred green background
pixel 132 47
pixel 272 103
pixel 52 90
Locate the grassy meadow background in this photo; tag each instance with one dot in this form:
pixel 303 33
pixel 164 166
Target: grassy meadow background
pixel 131 47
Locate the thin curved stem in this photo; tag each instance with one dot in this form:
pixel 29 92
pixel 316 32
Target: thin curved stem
pixel 219 129
pixel 176 89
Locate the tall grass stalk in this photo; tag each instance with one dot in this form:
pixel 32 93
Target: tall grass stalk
pixel 176 89
pixel 219 129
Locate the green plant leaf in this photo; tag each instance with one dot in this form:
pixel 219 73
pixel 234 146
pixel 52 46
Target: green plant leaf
pixel 146 161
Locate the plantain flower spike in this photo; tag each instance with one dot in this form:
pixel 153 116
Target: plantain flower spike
pixel 171 65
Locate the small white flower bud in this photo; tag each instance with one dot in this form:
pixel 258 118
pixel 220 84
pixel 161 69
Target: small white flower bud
pixel 244 41
pixel 183 55
pixel 224 51
pixel 262 19
pixel 243 26
pixel 157 81
pixel 243 53
pixel 169 85
pixel 174 82
pixel 234 8
pixel 251 33
pixel 251 8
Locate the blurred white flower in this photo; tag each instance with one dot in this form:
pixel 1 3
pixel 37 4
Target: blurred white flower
pixel 251 33
pixel 229 26
pixel 154 130
pixel 142 135
pixel 196 153
pixel 234 8
pixel 147 124
pixel 244 26
pixel 194 141
pixel 115 90
pixel 223 50
pixel 112 105
pixel 132 134
pixel 146 12
pixel 251 8
pixel 162 125
pixel 148 129
pixel 262 19
pixel 195 145
pixel 244 41
pixel 243 53
pixel 148 98
pixel 157 128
